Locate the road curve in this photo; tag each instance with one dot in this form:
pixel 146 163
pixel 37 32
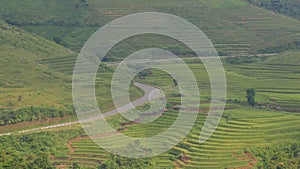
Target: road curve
pixel 150 93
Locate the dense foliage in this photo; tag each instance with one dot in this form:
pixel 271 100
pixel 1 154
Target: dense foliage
pixel 287 7
pixel 35 150
pixel 32 113
pixel 245 59
pixel 125 163
pixel 282 156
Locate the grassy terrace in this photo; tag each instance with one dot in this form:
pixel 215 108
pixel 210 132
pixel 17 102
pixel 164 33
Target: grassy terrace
pixel 241 130
pixel 21 74
pixel 226 148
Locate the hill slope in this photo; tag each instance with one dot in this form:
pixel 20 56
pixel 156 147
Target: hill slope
pixel 234 26
pixel 21 71
pixel 39 70
pixel 36 78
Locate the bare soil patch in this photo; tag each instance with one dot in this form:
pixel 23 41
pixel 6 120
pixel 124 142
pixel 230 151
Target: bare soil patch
pixel 249 157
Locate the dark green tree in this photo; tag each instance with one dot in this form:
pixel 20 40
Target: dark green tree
pixel 250 94
pixel 42 161
pixel 57 39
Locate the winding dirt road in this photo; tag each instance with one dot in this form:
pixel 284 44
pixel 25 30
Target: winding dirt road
pixel 150 93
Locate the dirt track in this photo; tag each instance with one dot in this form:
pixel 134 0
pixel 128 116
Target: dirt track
pixel 148 94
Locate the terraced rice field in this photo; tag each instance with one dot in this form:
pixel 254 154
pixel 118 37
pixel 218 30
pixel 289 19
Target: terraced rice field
pixel 276 85
pixel 62 64
pixel 229 147
pixel 240 130
pixel 84 152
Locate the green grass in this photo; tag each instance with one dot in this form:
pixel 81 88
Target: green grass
pixel 237 28
pixel 40 71
pixel 21 74
pixel 287 58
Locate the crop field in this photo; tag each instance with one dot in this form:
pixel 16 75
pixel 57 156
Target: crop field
pixel 242 129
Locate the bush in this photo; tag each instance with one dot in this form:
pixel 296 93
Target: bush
pixel 57 39
pixel 245 59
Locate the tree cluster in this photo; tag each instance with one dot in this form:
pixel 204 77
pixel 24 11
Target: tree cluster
pixel 285 7
pixel 33 151
pixel 283 156
pixel 9 116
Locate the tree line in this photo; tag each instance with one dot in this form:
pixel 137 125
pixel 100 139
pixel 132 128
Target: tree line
pixel 285 7
pixel 9 116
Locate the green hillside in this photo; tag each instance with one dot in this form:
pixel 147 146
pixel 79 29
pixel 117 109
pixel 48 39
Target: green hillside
pixel 286 58
pixel 39 44
pixel 36 76
pixel 21 71
pixel 235 27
